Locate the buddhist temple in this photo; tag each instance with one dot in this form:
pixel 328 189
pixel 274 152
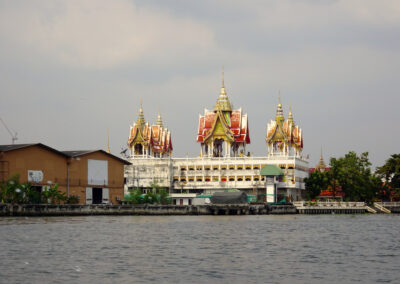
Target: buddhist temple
pixel 223 132
pixel 147 140
pixel 223 163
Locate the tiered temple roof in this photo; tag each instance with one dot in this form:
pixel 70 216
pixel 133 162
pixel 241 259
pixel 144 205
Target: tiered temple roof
pixel 224 124
pixel 146 139
pixel 284 136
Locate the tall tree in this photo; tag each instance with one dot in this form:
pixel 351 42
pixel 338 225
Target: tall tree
pixel 354 174
pixel 390 174
pixel 316 182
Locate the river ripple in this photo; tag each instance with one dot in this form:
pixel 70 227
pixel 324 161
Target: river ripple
pixel 201 249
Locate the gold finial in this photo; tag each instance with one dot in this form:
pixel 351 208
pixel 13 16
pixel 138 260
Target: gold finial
pixel 279 111
pixel 159 119
pixel 223 79
pixel 108 141
pixel 279 96
pixel 140 120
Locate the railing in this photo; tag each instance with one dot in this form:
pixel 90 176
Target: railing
pixel 383 209
pixel 304 204
pixel 389 204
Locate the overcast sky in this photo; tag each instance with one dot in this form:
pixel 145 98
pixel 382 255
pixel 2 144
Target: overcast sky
pixel 70 70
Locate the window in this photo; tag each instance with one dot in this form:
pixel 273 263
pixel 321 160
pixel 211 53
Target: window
pixel 215 168
pixel 239 167
pixel 231 178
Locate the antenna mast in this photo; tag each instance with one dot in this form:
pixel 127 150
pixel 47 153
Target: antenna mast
pixel 13 136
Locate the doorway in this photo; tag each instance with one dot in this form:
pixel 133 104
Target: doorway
pixel 97 195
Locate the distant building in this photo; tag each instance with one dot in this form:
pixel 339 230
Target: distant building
pixel 94 176
pixel 223 163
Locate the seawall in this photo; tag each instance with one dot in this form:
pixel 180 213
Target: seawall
pixel 142 209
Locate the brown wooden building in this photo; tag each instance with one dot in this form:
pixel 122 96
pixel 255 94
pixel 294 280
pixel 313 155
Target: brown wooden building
pixel 94 176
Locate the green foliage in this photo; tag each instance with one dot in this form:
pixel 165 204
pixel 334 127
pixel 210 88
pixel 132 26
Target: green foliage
pixel 72 199
pixel 11 191
pixel 158 195
pixel 390 173
pixel 315 183
pixel 354 174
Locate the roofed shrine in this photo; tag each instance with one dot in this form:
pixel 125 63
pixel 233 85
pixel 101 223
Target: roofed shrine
pixel 223 132
pixel 149 140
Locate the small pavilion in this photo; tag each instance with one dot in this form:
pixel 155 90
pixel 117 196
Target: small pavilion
pixel 271 172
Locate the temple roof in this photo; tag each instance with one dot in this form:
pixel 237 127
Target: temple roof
pixel 235 122
pixel 155 136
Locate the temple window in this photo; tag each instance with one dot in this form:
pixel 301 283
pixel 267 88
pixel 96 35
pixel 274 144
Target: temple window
pixel 207 168
pixel 239 178
pixel 231 167
pixel 239 167
pixel 199 168
pixel 215 168
pixel 256 178
pixel 231 178
pixel 215 178
pixel 248 178
pixel 199 179
pixel 183 168
pixel 191 178
pixel 256 167
pixel 248 167
pixel 223 179
pixel 191 168
pixel 223 167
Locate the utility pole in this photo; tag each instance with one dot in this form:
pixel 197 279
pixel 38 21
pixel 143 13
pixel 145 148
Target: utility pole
pixel 13 136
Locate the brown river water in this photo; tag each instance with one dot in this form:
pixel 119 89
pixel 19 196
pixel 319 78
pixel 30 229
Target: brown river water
pixel 201 249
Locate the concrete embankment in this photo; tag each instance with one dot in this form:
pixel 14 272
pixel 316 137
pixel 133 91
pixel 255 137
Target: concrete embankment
pixel 142 209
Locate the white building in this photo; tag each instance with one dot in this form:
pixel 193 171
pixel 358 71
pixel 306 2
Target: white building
pixel 223 163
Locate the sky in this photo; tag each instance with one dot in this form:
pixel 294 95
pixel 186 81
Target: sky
pixel 70 70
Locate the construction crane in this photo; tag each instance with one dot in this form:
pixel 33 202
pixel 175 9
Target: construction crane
pixel 13 136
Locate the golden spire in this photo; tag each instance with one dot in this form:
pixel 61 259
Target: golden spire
pixel 108 141
pixel 290 118
pixel 159 119
pixel 223 103
pixel 140 121
pixel 279 111
pixel 321 164
pixel 223 92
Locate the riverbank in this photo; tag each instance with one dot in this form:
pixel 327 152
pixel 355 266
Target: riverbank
pixel 143 209
pixel 211 209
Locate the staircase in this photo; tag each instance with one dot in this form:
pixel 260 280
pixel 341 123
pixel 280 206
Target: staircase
pixel 380 209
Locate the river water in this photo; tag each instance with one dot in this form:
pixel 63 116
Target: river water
pixel 201 249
